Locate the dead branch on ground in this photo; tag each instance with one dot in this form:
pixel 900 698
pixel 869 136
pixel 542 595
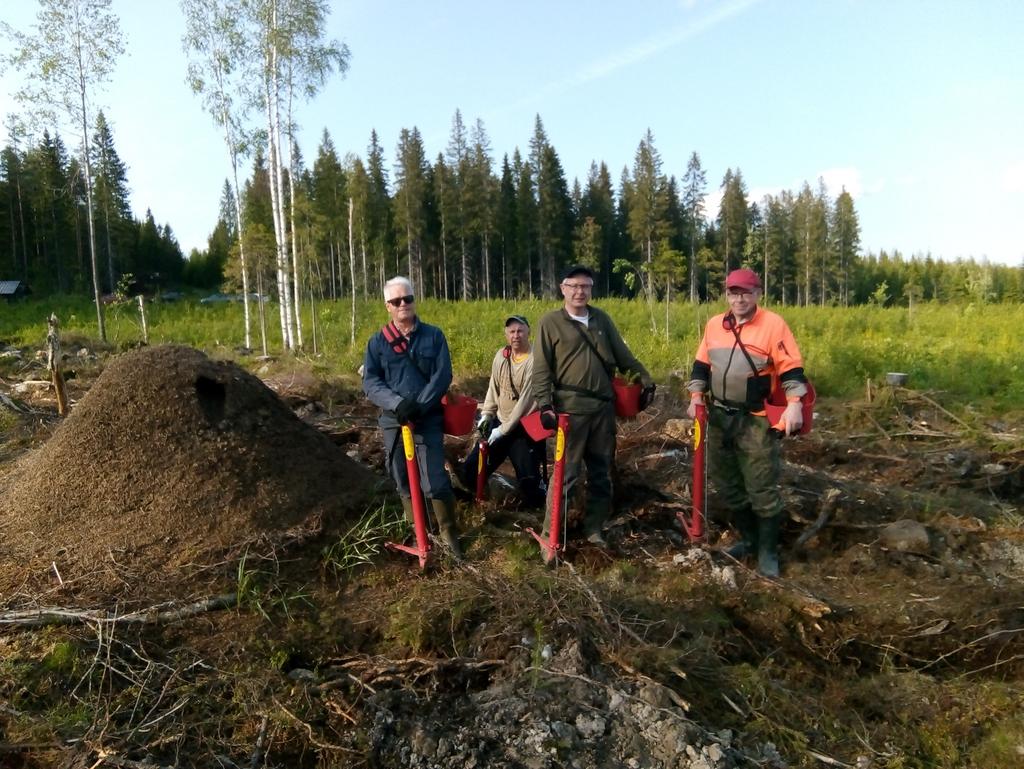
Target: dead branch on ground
pixel 154 615
pixel 826 507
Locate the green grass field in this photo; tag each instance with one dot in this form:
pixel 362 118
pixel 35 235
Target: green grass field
pixel 970 353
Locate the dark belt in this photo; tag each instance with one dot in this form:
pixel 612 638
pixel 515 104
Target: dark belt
pixel 730 409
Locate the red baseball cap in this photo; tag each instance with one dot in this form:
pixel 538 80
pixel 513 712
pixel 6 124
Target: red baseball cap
pixel 744 278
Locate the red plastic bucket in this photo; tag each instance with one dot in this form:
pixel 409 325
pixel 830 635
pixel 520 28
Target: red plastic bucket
pixel 627 398
pixel 536 431
pixel 776 405
pixel 459 411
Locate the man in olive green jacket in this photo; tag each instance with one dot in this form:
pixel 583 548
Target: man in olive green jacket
pixel 577 353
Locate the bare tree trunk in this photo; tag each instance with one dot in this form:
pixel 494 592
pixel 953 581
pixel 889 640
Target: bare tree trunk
pixel 263 314
pixel 53 363
pixel 296 274
pixel 466 293
pixel 487 267
pixel 330 251
pixel 142 319
pixel 312 317
pixel 352 271
pixel 271 97
pixel 444 254
pixel 362 251
pixel 24 240
pixel 87 166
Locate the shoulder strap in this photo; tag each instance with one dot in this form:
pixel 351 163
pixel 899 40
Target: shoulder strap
pixel 586 338
pixel 604 367
pixel 734 327
pixel 398 341
pixel 507 353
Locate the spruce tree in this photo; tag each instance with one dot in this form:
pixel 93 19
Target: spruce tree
pixel 845 241
pixel 506 224
pixel 481 193
pixel 330 207
pixel 455 200
pixel 554 220
pixel 694 192
pixel 527 227
pixel 732 219
pixel 111 194
pixel 410 201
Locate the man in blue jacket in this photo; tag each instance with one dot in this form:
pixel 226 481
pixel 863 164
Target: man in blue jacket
pixel 406 371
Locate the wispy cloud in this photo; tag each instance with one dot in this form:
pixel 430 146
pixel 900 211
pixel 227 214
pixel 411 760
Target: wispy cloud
pixel 839 179
pixel 836 180
pixel 626 57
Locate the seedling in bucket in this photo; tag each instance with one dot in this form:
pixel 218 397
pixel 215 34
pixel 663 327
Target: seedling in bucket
pixel 627 396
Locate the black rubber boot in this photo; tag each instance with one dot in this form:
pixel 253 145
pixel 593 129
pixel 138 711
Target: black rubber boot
pixel 444 511
pixel 746 524
pixel 768 545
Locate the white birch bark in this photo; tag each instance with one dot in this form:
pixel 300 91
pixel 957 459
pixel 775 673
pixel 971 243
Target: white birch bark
pixel 352 268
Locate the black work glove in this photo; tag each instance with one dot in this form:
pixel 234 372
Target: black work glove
pixel 406 410
pixel 548 418
pixel 646 397
pixel 484 428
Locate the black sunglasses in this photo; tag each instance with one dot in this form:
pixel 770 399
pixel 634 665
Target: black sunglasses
pixel 400 300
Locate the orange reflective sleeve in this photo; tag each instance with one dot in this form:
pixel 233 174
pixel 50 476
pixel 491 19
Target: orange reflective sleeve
pixel 785 352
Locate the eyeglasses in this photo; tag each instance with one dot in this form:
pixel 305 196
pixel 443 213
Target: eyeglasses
pixel 578 286
pixel 398 301
pixel 739 294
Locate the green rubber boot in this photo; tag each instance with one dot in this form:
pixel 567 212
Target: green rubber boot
pixel 768 545
pixel 444 511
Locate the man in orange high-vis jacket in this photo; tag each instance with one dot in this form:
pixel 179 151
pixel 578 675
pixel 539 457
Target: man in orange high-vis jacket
pixel 744 354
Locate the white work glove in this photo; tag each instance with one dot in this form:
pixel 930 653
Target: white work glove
pixel 495 434
pixel 696 399
pixel 793 417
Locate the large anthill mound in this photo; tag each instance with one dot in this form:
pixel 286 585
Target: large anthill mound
pixel 170 460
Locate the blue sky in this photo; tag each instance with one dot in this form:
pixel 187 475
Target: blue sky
pixel 916 107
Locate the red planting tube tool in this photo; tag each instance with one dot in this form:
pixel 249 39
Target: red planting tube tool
pixel 694 527
pixel 419 511
pixel 481 465
pixel 553 547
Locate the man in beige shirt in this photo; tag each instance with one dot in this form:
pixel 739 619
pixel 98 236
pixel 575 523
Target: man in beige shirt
pixel 509 399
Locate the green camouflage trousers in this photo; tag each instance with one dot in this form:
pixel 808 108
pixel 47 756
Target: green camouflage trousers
pixel 590 444
pixel 744 462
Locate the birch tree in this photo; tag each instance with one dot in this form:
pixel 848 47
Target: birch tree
pixel 68 56
pixel 293 59
pixel 214 44
pixel 308 62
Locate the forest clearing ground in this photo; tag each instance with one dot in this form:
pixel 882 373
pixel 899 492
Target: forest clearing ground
pixel 876 649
